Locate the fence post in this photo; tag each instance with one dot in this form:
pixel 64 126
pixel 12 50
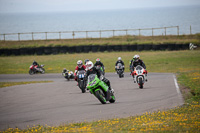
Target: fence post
pixel 126 32
pixel 190 30
pixel 165 31
pixel 73 34
pixel 86 34
pixel 4 37
pixel 46 35
pixel 60 35
pixel 152 31
pixel 32 36
pixel 139 32
pixel 113 33
pixel 18 36
pixel 100 34
pixel 178 30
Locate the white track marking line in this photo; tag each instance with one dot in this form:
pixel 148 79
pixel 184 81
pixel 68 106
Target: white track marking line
pixel 176 84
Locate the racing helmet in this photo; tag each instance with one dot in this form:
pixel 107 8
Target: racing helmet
pixel 86 60
pixel 119 58
pixel 97 60
pixel 79 63
pixel 89 65
pixel 136 57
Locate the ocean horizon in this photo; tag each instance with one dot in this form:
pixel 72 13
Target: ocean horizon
pixel 184 17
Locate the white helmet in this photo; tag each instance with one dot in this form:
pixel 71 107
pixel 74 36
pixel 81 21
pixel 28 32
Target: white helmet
pixel 89 65
pixel 136 57
pixel 79 63
pixel 119 58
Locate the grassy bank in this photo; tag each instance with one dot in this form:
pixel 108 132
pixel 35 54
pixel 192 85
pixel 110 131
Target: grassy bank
pixel 119 40
pixel 184 119
pixel 185 64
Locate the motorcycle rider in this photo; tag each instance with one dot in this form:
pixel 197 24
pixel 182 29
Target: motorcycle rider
pixel 119 61
pixel 136 61
pixel 91 69
pixel 79 67
pixel 86 60
pixel 36 65
pixel 99 63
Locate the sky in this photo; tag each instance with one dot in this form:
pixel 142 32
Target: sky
pixel 86 5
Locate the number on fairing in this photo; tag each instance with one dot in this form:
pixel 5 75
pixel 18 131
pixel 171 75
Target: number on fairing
pixel 139 72
pixel 81 76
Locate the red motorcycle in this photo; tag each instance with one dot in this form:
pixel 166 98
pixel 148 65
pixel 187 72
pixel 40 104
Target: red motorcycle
pixel 35 69
pixel 140 76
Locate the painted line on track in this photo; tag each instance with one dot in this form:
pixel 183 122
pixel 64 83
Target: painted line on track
pixel 176 84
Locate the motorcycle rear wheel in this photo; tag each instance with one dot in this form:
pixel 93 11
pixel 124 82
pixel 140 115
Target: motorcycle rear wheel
pixel 100 95
pixel 43 70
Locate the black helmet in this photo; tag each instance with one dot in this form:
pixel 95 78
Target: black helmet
pixel 86 60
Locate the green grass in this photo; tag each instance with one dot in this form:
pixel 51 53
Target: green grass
pixel 186 65
pixel 7 84
pixel 160 61
pixel 118 40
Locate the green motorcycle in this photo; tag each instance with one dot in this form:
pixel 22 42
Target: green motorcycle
pixel 100 89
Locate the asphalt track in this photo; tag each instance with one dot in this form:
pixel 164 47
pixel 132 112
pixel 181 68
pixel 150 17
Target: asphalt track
pixel 61 102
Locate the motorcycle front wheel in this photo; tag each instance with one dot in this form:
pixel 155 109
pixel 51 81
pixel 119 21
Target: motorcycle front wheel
pixel 100 95
pixel 81 86
pixel 31 72
pixel 140 83
pixel 112 100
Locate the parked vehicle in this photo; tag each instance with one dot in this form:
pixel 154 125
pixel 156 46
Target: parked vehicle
pixel 35 69
pixel 100 89
pixel 140 76
pixel 81 80
pixel 120 70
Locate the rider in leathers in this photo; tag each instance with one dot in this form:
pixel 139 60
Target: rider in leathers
pixel 92 70
pixel 135 62
pixel 99 63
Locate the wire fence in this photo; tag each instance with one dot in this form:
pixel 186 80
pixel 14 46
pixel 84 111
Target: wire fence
pixel 172 30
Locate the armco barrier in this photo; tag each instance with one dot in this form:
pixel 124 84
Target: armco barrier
pixel 91 48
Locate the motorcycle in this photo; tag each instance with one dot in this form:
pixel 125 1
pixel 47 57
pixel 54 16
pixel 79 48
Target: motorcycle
pixel 81 80
pixel 35 69
pixel 68 75
pixel 101 69
pixel 140 75
pixel 120 71
pixel 100 89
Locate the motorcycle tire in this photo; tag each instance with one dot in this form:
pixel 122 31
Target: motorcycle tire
pixel 31 72
pixel 140 83
pixel 81 86
pixel 112 100
pixel 43 70
pixel 100 95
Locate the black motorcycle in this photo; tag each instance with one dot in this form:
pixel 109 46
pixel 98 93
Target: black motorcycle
pixel 120 70
pixel 81 80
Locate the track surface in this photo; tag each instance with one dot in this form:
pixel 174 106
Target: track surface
pixel 62 102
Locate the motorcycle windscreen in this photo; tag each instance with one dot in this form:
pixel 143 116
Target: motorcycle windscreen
pixel 119 66
pixel 91 77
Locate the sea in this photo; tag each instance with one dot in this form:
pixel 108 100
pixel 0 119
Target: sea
pixel 63 25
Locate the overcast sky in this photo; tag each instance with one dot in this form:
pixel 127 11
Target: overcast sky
pixel 85 5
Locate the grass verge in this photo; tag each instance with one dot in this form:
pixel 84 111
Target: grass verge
pixel 183 119
pixel 7 84
pixel 117 40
